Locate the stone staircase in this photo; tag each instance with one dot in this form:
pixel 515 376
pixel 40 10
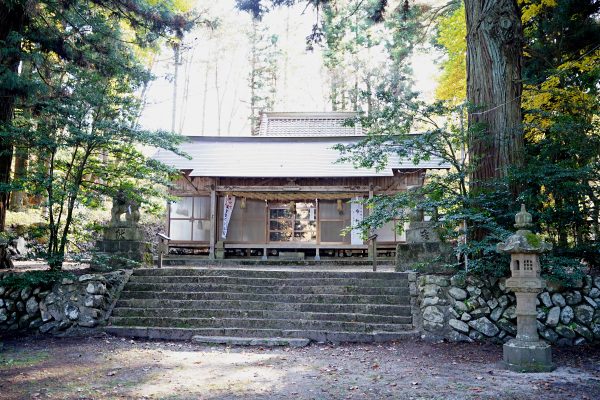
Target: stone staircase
pixel 263 306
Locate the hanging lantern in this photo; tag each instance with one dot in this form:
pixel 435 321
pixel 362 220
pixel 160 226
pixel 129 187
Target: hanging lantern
pixel 243 206
pixel 340 208
pixel 292 207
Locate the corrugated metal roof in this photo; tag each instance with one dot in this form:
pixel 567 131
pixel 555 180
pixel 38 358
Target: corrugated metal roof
pixel 254 157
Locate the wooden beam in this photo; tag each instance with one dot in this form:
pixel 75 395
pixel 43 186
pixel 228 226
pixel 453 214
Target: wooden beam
pixel 191 184
pixel 298 246
pixel 394 185
pixel 265 181
pixel 294 188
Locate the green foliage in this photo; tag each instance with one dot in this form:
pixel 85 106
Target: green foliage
pixel 35 278
pixel 451 37
pixel 82 70
pixel 562 134
pixel 558 180
pixel 563 267
pixel 460 212
pixel 366 53
pixel 262 79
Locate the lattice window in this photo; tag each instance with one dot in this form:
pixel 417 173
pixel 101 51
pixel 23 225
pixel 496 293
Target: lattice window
pixel 528 265
pixel 299 225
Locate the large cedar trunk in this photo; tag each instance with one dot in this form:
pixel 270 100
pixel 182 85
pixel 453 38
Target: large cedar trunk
pixel 494 61
pixel 11 20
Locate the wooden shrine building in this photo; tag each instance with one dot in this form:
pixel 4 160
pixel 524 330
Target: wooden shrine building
pixel 279 190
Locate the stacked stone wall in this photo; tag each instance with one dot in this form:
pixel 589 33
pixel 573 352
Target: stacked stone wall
pixel 64 306
pixel 484 309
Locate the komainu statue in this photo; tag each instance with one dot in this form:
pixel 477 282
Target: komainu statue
pixel 123 205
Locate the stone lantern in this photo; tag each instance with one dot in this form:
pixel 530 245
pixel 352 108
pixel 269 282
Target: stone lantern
pixel 526 353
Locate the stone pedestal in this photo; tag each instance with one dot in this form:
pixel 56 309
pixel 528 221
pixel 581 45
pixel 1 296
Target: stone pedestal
pixel 424 250
pixel 123 233
pixel 120 253
pixel 123 244
pixel 220 250
pixel 528 356
pixel 422 232
pixel 426 257
pixel 526 353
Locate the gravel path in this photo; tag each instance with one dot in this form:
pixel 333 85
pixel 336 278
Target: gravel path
pixel 105 367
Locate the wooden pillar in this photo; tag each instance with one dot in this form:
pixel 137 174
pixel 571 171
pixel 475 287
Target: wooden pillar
pixel 213 222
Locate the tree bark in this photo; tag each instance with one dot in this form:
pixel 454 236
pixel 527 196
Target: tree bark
pixel 253 83
pixel 18 198
pixel 176 52
pixel 494 87
pixel 12 19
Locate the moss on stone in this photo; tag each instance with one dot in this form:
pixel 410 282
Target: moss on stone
pixel 533 239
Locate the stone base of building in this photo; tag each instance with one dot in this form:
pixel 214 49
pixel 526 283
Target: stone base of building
pixel 425 257
pixel 522 356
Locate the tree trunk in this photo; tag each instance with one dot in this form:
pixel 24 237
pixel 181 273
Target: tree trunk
pixel 494 87
pixel 205 92
pixel 186 87
pixel 11 20
pixel 253 83
pixel 17 198
pixel 176 53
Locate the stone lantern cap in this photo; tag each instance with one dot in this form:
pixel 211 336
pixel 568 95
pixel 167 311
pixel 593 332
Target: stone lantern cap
pixel 523 241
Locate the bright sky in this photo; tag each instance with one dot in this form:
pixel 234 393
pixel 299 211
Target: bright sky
pixel 218 99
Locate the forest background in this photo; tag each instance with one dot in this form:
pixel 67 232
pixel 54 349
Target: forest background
pixel 76 78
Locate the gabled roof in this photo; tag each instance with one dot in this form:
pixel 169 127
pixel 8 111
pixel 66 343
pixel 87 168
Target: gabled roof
pixel 275 157
pixel 288 124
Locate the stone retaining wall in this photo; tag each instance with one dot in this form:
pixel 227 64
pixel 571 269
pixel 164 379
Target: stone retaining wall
pixel 484 309
pixel 62 307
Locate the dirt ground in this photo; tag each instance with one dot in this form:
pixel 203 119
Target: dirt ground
pixel 98 366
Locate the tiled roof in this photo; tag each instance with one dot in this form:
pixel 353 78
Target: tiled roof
pixel 253 157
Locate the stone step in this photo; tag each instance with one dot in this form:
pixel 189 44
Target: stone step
pixel 282 298
pixel 316 335
pixel 256 273
pixel 250 341
pixel 259 314
pixel 379 309
pixel 237 306
pixel 252 323
pixel 272 289
pixel 266 281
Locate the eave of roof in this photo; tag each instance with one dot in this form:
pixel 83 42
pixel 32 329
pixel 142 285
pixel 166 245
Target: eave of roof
pixel 274 157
